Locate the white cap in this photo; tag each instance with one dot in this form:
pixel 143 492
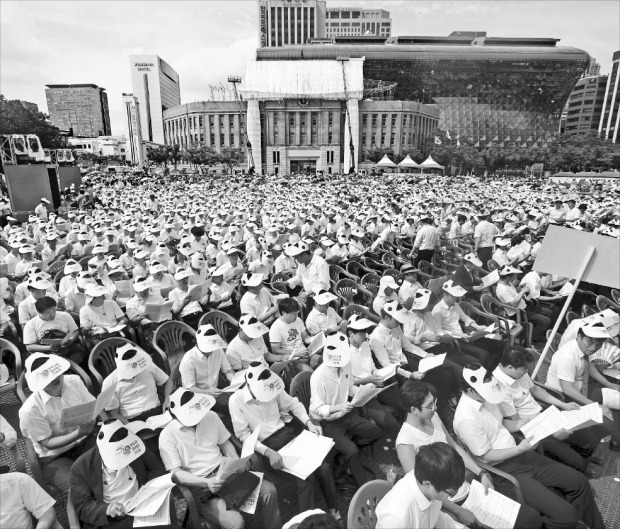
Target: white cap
pixel 188 407
pixel 118 446
pixel 52 367
pixel 492 391
pixel 208 340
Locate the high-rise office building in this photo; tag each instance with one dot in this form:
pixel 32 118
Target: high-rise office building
pixel 285 22
pixel 82 108
pixel 354 21
pixel 136 151
pixel 610 115
pixel 156 86
pixel 584 105
pixel 594 68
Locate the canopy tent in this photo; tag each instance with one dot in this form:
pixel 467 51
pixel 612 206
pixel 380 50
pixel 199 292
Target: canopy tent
pixel 608 174
pixel 588 174
pixel 385 162
pixel 409 163
pixel 429 163
pixel 564 173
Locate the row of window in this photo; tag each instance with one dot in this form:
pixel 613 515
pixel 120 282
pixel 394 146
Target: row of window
pixel 275 157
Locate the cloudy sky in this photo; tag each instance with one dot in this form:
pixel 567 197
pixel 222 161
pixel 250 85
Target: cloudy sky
pixel 89 41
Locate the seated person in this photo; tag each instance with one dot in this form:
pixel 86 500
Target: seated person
pixel 69 280
pixel 192 447
pixel 22 499
pixel 288 335
pixel 448 315
pixel 322 317
pixel 263 403
pixel 572 374
pixel 136 308
pixel 99 314
pixel 38 286
pixel 410 282
pixel 138 383
pixel 520 406
pixel 478 423
pixel 331 385
pixel 388 291
pixel 106 477
pixel 8 435
pixel 39 417
pixel 249 345
pixel 75 297
pixel 312 273
pixel 202 366
pixel 189 307
pixel 257 301
pixel 51 324
pixel 423 427
pixel 161 279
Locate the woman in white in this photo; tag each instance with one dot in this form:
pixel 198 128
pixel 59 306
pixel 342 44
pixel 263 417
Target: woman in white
pixel 422 427
pixel 187 306
pixel 161 281
pixel 69 280
pixel 99 314
pixel 388 291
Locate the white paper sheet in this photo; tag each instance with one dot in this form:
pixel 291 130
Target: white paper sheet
pixel 237 381
pixel 585 416
pixel 103 400
pixel 148 497
pixel 611 398
pixel 490 279
pixel 430 362
pixel 386 372
pixel 493 509
pixel 250 443
pixel 230 466
pixel 77 415
pixel 566 288
pixel 304 454
pixel 157 312
pixel 249 505
pixel 547 423
pixel 317 343
pixel 366 393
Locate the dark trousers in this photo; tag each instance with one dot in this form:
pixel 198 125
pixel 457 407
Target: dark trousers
pixel 221 404
pixel 382 416
pixel 611 427
pixel 562 452
pixel 57 471
pixel 487 350
pixel 305 488
pixel 423 255
pixel 540 317
pixel 344 431
pixel 442 377
pixel 484 254
pixel 538 474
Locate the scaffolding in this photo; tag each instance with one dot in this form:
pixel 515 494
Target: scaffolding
pixel 378 90
pixel 221 92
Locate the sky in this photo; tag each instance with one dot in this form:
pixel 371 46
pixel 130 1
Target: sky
pixel 205 41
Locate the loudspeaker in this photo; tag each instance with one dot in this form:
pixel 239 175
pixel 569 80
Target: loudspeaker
pixel 27 184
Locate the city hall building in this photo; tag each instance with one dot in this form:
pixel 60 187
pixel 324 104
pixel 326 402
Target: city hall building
pixel 304 117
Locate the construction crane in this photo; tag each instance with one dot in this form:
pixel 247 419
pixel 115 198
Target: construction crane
pixel 342 60
pixel 235 80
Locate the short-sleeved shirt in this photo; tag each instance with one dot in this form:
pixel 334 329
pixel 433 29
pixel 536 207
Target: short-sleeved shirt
pixel 240 354
pixel 517 399
pixel 22 498
pixel 203 371
pixel 257 304
pixel 195 450
pixel 39 416
pixel 136 395
pixel 10 435
pixel 486 232
pixel 571 365
pixel 107 315
pixel 507 294
pixel 37 329
pixel 317 321
pixel 288 335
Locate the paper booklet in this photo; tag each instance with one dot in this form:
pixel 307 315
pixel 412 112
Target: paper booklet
pixel 151 504
pixel 490 279
pixel 304 454
pixel 611 398
pixel 124 288
pixel 478 333
pixel 547 423
pixel 386 372
pixel 237 381
pixel 152 423
pixel 492 509
pixel 198 291
pixel 585 416
pixel 430 362
pixel 157 312
pixel 230 466
pixel 566 288
pixel 366 393
pixel 86 411
pixel 317 343
pixel 249 505
pixel 7 269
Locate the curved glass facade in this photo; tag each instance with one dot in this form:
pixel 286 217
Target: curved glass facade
pixel 507 95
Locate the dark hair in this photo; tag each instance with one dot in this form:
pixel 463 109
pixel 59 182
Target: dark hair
pixel 319 521
pixel 516 356
pixel 288 305
pixel 441 465
pixel 413 393
pixel 44 303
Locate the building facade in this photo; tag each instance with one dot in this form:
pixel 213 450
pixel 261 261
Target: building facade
pixel 302 123
pixel 285 22
pixel 351 21
pixel 156 86
pixel 585 105
pixel 502 91
pixel 610 116
pixel 136 150
pixel 109 146
pixel 82 108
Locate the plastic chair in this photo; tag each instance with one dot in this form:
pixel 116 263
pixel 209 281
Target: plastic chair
pixel 300 388
pixel 225 325
pixel 280 277
pixel 10 349
pixel 498 309
pixel 389 259
pixel 101 361
pixel 586 311
pixel 605 303
pixel 336 273
pixel 492 265
pixel 84 262
pixel 357 269
pixel 56 267
pixel 172 340
pixel 363 507
pixel 347 290
pixel 171 385
pixel 371 282
pixel 58 277
pixel 487 319
pixel 360 311
pixel 615 295
pixel 398 277
pixel 570 316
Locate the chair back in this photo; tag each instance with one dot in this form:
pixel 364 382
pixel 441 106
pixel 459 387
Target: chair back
pixel 225 325
pixel 23 391
pixel 101 361
pixel 280 277
pixel 603 303
pixel 491 305
pixel 58 277
pixel 10 349
pixel 492 265
pixel 371 282
pixel 586 311
pixel 615 295
pixel 173 383
pixel 300 388
pixel 337 272
pixel 346 289
pixel 56 267
pixel 357 269
pixel 360 311
pixel 172 340
pixel 280 286
pixel 425 267
pixel 570 316
pixel 398 277
pixel 389 259
pixel 84 262
pixel 363 507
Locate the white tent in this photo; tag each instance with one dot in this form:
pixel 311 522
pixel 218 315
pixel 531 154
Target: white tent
pixel 429 163
pixel 385 162
pixel 409 163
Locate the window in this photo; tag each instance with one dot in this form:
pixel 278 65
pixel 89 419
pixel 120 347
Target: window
pixel 330 118
pixel 382 139
pixel 393 120
pixel 383 120
pixel 303 137
pixel 374 120
pixel 276 157
pixel 393 139
pixel 200 121
pixel 291 120
pixel 232 139
pixel 222 138
pixel 364 120
pixel 231 121
pixel 202 137
pixel 330 137
pixel 330 156
pixel 363 139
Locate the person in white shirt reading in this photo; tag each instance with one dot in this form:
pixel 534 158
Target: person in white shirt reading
pixel 249 345
pixel 288 335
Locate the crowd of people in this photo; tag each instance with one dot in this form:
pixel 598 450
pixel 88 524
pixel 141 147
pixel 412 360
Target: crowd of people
pixel 423 288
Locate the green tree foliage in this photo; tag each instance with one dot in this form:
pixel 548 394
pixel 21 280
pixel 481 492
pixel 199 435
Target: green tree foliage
pixel 15 119
pixel 231 156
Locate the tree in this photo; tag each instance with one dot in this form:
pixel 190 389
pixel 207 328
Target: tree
pixel 375 155
pixel 15 119
pixel 158 154
pixel 231 156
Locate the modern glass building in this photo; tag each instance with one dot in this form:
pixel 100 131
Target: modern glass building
pixel 503 91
